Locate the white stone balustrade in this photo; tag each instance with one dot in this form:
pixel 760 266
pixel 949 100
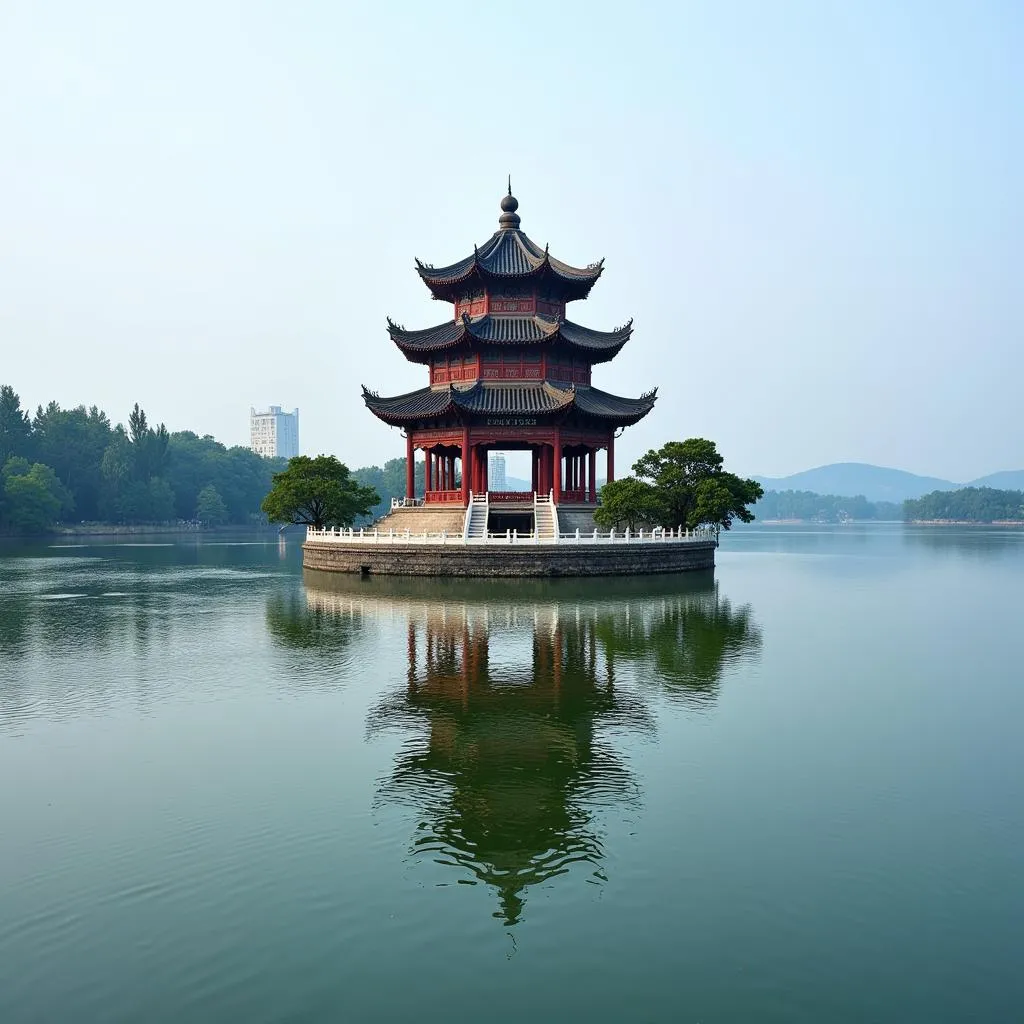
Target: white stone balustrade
pixel 702 535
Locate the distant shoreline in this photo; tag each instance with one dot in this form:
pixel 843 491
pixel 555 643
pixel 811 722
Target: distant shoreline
pixel 125 530
pixel 965 522
pixel 901 522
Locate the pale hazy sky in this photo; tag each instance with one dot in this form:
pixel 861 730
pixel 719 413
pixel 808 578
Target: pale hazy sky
pixel 812 209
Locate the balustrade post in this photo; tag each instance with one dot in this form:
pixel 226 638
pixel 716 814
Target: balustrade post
pixel 410 468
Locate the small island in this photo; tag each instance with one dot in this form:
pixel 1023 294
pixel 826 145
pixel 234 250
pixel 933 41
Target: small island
pixel 510 372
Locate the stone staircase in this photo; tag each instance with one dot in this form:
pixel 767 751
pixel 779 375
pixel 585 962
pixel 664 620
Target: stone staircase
pixel 545 518
pixel 423 519
pixel 475 523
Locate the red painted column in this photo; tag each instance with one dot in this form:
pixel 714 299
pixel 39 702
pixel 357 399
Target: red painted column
pixel 611 458
pixel 592 473
pixel 533 469
pixel 410 468
pixel 557 466
pixel 467 465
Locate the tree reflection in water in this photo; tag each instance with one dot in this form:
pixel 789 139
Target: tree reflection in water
pixel 512 694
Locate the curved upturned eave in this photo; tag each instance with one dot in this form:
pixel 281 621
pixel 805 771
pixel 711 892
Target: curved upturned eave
pixel 542 398
pixel 425 403
pixel 596 346
pixel 602 405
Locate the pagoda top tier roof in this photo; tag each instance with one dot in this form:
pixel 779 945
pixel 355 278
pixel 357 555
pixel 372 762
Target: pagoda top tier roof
pixel 597 346
pixel 540 398
pixel 509 255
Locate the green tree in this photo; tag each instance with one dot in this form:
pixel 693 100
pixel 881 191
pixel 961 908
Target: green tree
pixel 389 482
pixel 210 507
pixel 160 500
pixel 626 503
pixel 15 426
pixel 318 492
pixel 149 446
pixel 72 442
pixel 34 499
pixel 692 489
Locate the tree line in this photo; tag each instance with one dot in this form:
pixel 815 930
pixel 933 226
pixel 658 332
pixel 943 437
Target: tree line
pixel 75 465
pixel 969 504
pixel 824 508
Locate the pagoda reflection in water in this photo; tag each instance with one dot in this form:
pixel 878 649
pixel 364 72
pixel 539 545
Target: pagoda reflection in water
pixel 513 704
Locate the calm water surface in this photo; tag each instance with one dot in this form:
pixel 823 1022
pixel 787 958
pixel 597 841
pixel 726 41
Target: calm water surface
pixel 789 791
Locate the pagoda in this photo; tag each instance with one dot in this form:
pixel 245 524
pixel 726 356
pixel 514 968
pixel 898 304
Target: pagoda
pixel 508 371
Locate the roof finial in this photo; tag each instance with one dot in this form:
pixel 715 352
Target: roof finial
pixel 509 204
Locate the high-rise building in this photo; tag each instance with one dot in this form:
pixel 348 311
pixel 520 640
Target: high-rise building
pixel 274 433
pixel 496 472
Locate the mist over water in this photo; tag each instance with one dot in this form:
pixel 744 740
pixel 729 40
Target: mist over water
pixel 786 791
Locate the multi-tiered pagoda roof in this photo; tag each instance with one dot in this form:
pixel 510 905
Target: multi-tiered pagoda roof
pixel 509 349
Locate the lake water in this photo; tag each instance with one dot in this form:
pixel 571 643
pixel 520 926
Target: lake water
pixel 792 790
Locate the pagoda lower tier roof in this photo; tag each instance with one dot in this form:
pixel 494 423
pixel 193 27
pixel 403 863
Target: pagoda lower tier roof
pixel 486 398
pixel 597 346
pixel 509 254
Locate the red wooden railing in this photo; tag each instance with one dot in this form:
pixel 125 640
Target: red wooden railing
pixel 575 497
pixel 444 497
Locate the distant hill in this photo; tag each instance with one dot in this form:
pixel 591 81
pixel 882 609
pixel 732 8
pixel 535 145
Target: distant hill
pixel 1007 480
pixel 876 483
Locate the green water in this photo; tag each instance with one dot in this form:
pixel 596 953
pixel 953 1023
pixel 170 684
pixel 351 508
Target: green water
pixel 792 790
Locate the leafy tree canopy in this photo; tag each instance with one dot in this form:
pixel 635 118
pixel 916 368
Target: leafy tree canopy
pixel 690 488
pixel 15 426
pixel 627 503
pixel 210 507
pixel 34 498
pixel 318 492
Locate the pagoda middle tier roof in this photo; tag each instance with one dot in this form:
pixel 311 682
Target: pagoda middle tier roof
pixel 509 254
pixel 597 346
pixel 488 398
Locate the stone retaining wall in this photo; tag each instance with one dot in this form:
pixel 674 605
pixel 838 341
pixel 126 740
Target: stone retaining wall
pixel 511 560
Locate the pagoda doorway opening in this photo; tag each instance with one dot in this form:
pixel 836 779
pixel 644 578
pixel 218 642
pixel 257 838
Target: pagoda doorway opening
pixel 501 520
pixel 443 474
